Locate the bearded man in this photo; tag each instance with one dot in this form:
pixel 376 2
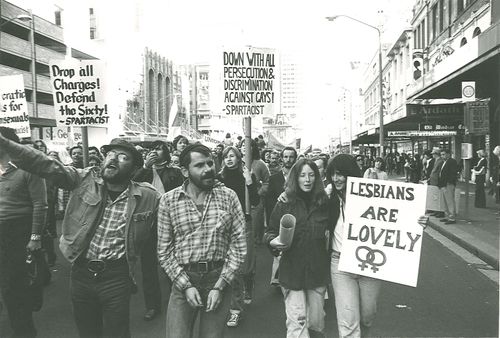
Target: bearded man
pixel 108 219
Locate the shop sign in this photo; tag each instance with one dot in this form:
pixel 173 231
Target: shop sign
pixel 409 133
pixel 476 118
pixel 468 91
pixel 466 153
pixel 434 109
pixel 436 127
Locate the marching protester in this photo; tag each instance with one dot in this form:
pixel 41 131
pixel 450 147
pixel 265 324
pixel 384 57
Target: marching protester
pixel 274 165
pixel 201 246
pixel 237 177
pixel 447 182
pixel 355 295
pixel 304 265
pixel 261 172
pixel 480 174
pixel 276 187
pixel 180 142
pixel 164 178
pixel 23 206
pixel 377 172
pixel 107 221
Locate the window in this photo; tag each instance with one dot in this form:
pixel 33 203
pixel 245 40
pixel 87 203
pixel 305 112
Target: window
pixel 57 18
pixel 434 18
pixel 91 11
pixel 460 6
pixel 463 42
pixel 476 32
pixel 441 15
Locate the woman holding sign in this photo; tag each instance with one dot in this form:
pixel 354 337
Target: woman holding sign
pixel 304 266
pixel 355 295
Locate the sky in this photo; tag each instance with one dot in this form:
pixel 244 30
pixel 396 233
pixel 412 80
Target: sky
pixel 189 31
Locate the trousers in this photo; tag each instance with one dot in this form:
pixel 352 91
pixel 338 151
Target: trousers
pixel 101 304
pixel 181 317
pixel 304 311
pixel 14 236
pixel 355 301
pixel 450 208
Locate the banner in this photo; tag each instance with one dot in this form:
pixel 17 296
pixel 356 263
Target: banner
pixel 250 82
pixel 381 237
pixel 13 107
pixel 78 90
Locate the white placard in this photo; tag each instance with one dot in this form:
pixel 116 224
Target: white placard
pixel 13 107
pixel 249 80
pixel 78 90
pixel 382 238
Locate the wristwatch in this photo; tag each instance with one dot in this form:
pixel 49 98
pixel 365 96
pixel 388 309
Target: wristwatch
pixel 36 237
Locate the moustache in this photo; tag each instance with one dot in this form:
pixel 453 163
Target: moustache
pixel 210 174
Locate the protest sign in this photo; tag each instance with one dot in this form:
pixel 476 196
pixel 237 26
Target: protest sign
pixel 78 90
pixel 381 237
pixel 13 107
pixel 250 82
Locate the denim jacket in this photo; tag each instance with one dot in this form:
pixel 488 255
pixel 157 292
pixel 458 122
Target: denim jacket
pixel 83 209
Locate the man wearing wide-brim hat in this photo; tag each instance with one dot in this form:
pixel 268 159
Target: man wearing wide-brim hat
pixel 107 220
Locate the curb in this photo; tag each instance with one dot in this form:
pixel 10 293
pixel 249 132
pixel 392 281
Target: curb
pixel 489 259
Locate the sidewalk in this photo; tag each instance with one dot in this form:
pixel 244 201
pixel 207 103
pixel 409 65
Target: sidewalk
pixel 479 233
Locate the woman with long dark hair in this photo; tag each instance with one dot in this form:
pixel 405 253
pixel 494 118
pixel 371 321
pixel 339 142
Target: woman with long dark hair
pixel 304 266
pixel 236 176
pixel 378 170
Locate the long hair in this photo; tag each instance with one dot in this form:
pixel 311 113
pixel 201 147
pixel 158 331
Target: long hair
pixel 292 185
pixel 237 153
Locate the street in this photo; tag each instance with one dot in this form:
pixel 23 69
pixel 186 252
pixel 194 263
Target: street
pixel 452 300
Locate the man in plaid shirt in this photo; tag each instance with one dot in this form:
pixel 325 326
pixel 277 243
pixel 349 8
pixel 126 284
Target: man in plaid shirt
pixel 201 245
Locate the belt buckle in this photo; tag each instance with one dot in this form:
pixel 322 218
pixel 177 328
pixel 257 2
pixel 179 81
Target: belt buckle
pixel 96 266
pixel 204 265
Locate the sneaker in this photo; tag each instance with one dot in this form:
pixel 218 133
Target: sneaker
pixel 234 319
pixel 443 220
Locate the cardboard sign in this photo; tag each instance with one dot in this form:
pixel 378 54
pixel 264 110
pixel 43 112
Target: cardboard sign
pixel 13 107
pixel 381 237
pixel 78 90
pixel 250 82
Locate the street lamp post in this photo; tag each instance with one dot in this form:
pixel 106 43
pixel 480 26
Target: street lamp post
pixel 381 108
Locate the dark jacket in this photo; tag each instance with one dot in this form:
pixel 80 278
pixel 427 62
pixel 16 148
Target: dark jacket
pixel 306 264
pixel 448 173
pixel 276 187
pixel 239 189
pixel 170 177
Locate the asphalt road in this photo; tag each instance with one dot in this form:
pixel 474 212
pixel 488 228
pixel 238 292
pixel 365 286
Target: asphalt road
pixel 452 299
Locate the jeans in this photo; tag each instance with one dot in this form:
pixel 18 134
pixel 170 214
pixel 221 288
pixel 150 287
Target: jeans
pixel 101 304
pixel 150 277
pixel 181 316
pixel 304 311
pixel 14 236
pixel 355 301
pixel 449 201
pixel 244 280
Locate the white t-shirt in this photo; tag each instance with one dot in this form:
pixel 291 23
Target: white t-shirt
pixel 339 230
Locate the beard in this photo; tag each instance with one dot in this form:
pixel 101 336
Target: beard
pixel 205 182
pixel 115 176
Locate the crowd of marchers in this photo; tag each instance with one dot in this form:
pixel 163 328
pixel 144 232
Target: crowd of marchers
pixel 183 207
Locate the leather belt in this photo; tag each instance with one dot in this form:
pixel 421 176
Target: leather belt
pixel 203 267
pixel 97 266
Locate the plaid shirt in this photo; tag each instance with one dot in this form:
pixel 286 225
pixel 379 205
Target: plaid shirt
pixel 185 235
pixel 109 239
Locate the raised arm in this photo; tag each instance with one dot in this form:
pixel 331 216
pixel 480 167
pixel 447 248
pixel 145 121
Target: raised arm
pixel 36 162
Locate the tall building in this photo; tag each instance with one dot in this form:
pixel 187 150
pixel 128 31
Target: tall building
pixel 27 48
